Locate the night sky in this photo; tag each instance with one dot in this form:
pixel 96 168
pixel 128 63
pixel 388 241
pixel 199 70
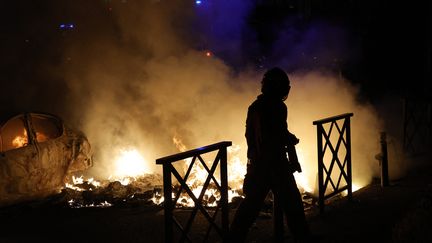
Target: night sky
pixel 385 45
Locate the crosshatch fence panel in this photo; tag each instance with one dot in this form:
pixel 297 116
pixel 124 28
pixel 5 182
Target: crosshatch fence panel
pixel 334 157
pixel 417 126
pixel 182 220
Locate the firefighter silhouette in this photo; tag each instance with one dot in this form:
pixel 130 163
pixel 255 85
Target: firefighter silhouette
pixel 268 167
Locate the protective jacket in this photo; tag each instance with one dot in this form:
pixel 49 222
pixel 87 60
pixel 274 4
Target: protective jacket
pixel 267 133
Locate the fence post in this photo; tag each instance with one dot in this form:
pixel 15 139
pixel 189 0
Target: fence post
pixel 417 125
pixel 170 201
pixel 321 188
pixel 224 193
pixel 168 204
pixel 384 160
pixel 348 156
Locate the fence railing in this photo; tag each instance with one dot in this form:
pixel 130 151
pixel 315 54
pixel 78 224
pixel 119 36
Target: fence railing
pixel 333 132
pixel 417 127
pixel 171 197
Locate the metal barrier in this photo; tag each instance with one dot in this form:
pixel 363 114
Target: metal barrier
pixel 325 173
pixel 169 205
pixel 417 127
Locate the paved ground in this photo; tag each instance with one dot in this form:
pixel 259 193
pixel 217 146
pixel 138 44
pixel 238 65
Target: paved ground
pixel 401 212
pixel 398 213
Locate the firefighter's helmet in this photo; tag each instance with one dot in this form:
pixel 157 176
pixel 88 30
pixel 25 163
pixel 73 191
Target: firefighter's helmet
pixel 275 83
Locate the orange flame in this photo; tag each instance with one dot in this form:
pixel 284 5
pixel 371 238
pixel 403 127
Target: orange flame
pixel 40 137
pixel 199 174
pixel 20 140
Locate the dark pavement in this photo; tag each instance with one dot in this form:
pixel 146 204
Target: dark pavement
pixel 401 212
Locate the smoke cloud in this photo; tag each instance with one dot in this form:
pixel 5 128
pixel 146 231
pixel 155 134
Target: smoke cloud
pixel 164 88
pixel 317 95
pixel 144 88
pixel 135 79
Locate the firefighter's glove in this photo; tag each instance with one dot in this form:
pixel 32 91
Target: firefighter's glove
pixel 293 167
pixel 293 139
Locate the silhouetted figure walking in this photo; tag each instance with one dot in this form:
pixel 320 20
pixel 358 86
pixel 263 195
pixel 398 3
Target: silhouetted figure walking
pixel 268 168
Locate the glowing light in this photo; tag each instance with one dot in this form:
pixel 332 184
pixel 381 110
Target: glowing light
pixel 198 2
pixel 40 137
pixel 301 178
pixel 236 168
pixel 20 141
pixel 157 198
pixel 232 194
pixel 355 187
pixel 104 204
pixel 72 187
pixel 74 204
pixel 94 182
pixel 78 180
pixel 66 26
pixel 130 163
pixel 198 175
pixel 303 182
pixel 209 54
pixel 179 143
pixel 125 181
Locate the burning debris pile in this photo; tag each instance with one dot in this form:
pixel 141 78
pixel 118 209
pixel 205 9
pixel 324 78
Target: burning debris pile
pixel 143 190
pixel 147 190
pixel 132 186
pixel 132 182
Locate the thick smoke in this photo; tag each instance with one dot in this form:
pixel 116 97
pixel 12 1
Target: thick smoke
pixel 317 95
pixel 150 85
pixel 137 75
